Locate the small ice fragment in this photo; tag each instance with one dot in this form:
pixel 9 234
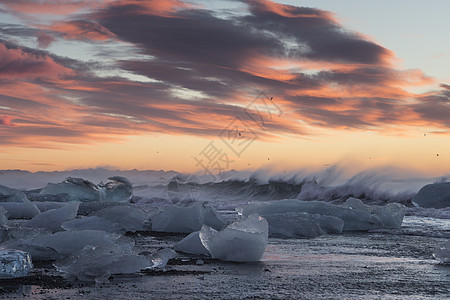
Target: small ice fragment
pixel 200 262
pixel 436 195
pixel 161 258
pixel 187 219
pixel 130 218
pixel 443 254
pixel 14 263
pixel 192 244
pixel 98 263
pixel 93 223
pixel 77 189
pixel 244 240
pixel 53 219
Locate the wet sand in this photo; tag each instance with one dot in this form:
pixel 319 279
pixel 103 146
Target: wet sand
pixel 347 266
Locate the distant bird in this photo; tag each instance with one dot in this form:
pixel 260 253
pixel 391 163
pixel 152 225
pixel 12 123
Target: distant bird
pixel 424 134
pixel 268 158
pixel 240 134
pixel 271 98
pixel 437 154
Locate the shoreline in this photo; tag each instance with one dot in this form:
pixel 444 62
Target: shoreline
pixel 352 265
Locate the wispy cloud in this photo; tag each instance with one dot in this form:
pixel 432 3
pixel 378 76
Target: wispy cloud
pixel 201 68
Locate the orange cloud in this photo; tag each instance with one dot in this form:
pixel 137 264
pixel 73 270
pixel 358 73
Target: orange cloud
pixel 81 30
pixel 54 7
pixel 288 10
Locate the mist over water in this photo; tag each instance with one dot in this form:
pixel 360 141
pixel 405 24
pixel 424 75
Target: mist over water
pixel 331 184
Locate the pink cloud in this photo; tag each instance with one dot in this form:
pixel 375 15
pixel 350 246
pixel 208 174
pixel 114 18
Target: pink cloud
pixel 15 63
pixel 6 121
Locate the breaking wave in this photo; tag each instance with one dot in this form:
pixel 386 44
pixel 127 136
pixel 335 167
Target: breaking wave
pixel 233 188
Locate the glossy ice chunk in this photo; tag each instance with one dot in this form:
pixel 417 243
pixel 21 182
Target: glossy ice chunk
pixel 19 207
pixel 436 195
pixel 53 219
pixel 47 205
pixel 61 244
pixel 16 231
pixel 355 214
pixel 192 245
pixel 244 240
pixel 16 197
pixel 98 263
pixel 130 218
pixel 118 189
pixel 6 191
pixel 93 223
pixel 14 263
pixel 77 189
pixel 299 224
pixel 443 254
pixel 187 219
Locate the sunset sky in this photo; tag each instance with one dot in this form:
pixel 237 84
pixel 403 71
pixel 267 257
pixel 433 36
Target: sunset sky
pixel 219 85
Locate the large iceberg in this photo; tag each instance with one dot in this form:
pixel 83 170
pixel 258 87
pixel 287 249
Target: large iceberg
pixel 443 254
pixel 54 218
pixel 187 219
pixel 244 240
pixel 356 215
pixel 65 243
pixel 436 195
pixel 14 263
pixel 300 224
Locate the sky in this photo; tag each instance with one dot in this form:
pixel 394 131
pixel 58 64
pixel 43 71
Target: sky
pixel 217 85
